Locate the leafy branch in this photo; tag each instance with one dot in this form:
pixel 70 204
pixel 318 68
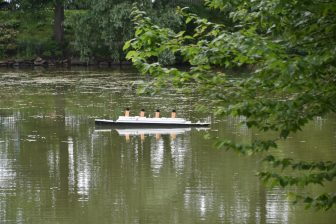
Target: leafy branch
pixel 289 53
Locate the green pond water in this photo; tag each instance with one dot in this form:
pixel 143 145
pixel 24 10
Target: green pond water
pixel 57 167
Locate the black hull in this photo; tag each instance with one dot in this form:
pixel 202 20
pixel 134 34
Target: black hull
pixel 147 125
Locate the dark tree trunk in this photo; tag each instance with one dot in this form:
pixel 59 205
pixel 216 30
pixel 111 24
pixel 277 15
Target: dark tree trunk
pixel 58 22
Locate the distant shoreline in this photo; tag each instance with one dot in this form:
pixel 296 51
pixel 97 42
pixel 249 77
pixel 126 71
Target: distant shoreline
pixel 40 62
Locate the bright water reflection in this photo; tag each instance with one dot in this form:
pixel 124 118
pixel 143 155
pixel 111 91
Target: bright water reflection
pixel 56 167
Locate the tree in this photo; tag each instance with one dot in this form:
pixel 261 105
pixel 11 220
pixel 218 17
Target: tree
pixel 290 52
pixel 102 30
pixel 58 21
pixel 34 6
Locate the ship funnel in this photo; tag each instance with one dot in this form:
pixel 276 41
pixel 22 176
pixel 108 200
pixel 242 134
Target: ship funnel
pixel 127 112
pixel 173 114
pixel 157 114
pixel 142 113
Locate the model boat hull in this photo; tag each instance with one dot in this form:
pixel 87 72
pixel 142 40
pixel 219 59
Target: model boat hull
pixel 147 124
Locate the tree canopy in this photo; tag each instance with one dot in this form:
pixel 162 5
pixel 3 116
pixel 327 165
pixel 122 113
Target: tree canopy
pixel 289 50
pixel 93 30
pixel 102 30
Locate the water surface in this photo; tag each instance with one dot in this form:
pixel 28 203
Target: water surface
pixel 56 167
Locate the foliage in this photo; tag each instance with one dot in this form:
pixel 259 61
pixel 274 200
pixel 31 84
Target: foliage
pixel 96 29
pixel 101 31
pixel 33 28
pixel 7 39
pixel 77 4
pixel 290 49
pixel 34 34
pixel 167 58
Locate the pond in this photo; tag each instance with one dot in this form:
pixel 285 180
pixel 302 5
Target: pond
pixel 57 167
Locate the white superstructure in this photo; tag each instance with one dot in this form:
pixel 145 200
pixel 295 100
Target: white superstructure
pixel 161 120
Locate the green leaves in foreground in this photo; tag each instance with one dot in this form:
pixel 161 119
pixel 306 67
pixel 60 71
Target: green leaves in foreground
pixel 302 180
pixel 302 165
pixel 323 201
pixel 303 174
pixel 286 52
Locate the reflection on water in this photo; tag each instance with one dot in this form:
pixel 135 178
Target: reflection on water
pixel 57 167
pixel 153 131
pixel 142 132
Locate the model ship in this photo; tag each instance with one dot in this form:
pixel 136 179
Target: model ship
pixel 148 122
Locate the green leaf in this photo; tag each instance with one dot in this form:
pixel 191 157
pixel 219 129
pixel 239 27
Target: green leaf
pixel 127 45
